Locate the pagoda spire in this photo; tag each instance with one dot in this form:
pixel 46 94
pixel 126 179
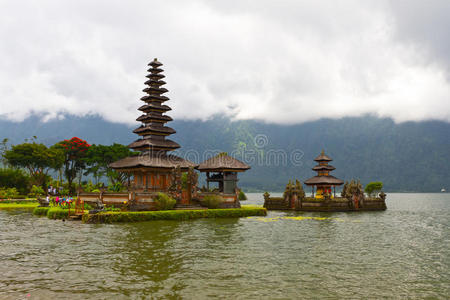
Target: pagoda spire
pixel 153 131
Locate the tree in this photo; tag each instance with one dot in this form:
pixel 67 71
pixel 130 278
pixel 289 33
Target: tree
pixel 74 152
pixel 99 157
pixel 15 178
pixel 373 188
pixel 36 158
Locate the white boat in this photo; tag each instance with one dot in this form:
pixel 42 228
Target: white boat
pixel 443 190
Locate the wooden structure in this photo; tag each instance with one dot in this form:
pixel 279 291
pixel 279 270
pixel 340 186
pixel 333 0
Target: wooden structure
pixel 223 169
pixel 152 169
pixel 352 196
pixel 323 181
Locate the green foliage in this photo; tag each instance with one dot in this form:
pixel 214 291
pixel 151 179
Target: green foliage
pixel 41 211
pixel 88 187
pixel 212 201
pixel 58 213
pixel 164 202
pixel 112 217
pixel 34 157
pixel 184 180
pixel 8 193
pixel 95 191
pixel 111 208
pixel 116 187
pixel 99 157
pixel 242 196
pixel 373 188
pixel 36 191
pixel 18 205
pixel 74 152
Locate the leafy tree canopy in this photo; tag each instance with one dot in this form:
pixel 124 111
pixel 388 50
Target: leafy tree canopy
pixel 99 157
pixel 373 187
pixel 36 158
pixel 74 152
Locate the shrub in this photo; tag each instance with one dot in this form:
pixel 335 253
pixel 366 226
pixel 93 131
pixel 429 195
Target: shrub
pixel 242 196
pixel 164 202
pixel 15 178
pixel 58 213
pixel 212 201
pixel 116 187
pixel 36 191
pixel 8 193
pixel 41 211
pixel 111 208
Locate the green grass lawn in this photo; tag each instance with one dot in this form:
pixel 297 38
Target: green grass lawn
pixel 30 205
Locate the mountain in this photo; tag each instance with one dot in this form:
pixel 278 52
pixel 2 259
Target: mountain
pixel 410 156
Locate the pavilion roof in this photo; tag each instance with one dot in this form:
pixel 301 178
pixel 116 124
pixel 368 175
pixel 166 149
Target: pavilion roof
pixel 324 180
pixel 222 162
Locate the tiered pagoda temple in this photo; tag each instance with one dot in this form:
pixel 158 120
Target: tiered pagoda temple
pixel 323 181
pixel 152 168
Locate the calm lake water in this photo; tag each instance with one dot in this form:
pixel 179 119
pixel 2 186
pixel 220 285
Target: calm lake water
pixel 403 252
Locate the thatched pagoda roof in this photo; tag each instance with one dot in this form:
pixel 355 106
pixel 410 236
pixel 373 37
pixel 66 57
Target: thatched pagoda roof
pixel 155 90
pixel 151 81
pixel 154 129
pixel 150 106
pixel 155 63
pixel 152 116
pixel 322 157
pixel 323 168
pixel 147 160
pixel 324 180
pixel 153 143
pixel 148 98
pixel 222 162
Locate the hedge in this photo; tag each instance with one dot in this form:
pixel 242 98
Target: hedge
pixel 113 217
pixel 58 213
pixel 41 211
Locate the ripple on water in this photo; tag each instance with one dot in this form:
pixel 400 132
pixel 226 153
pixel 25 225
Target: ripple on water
pixel 399 253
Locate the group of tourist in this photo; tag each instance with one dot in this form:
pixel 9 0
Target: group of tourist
pixel 54 191
pixel 60 201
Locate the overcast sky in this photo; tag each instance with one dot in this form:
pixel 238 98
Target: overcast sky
pixel 276 61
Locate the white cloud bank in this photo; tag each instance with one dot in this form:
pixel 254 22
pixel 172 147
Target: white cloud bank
pixel 277 61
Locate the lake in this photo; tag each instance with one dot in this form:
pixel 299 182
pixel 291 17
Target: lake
pixel 403 252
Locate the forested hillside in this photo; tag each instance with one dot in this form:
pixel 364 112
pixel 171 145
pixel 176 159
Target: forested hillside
pixel 412 156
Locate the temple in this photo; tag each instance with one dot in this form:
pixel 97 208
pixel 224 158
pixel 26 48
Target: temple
pixel 323 181
pixel 352 196
pixel 152 169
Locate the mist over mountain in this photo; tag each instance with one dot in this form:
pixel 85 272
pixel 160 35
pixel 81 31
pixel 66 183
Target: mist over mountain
pixel 410 156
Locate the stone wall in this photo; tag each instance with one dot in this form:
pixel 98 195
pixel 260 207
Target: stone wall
pixel 337 204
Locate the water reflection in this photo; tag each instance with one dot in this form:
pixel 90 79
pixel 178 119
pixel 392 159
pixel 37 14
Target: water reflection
pixel 398 253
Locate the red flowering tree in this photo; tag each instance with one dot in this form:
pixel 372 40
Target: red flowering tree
pixel 75 151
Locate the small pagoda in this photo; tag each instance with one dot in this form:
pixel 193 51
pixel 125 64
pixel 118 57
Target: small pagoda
pixel 323 181
pixel 223 169
pixel 152 169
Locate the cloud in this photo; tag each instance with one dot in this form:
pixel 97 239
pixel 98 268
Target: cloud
pixel 276 61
